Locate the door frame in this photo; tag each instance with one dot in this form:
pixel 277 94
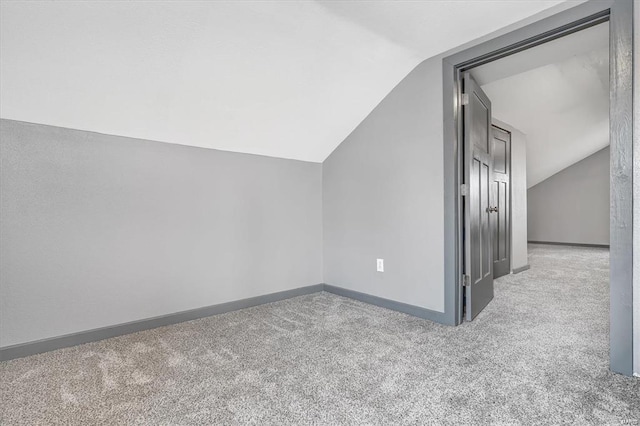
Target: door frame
pixel 619 14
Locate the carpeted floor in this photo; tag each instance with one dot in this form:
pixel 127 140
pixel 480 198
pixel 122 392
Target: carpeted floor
pixel 538 354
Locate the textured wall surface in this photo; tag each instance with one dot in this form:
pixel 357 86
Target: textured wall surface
pixel 99 230
pixel 572 206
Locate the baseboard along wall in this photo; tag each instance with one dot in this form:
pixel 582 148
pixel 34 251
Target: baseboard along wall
pixel 521 269
pixel 556 243
pixel 74 339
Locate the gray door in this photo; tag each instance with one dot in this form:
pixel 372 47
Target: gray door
pixel 478 177
pixel 500 226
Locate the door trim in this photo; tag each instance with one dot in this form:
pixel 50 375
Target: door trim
pixel 619 14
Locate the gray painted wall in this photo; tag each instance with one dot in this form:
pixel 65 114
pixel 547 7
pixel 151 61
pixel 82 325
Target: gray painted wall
pixel 99 230
pixel 382 197
pixel 572 206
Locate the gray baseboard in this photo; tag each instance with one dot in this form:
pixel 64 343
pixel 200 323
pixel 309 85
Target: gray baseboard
pixel 521 269
pixel 413 310
pixel 46 345
pixel 556 243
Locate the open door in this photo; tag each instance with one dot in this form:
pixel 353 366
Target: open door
pixel 500 218
pixel 478 179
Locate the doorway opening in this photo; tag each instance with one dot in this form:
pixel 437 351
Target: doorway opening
pixel 471 209
pixel 551 103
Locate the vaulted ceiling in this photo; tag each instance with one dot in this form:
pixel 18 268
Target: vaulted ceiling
pixel 278 78
pixel 558 95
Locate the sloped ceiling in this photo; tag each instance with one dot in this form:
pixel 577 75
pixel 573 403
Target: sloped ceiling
pixel 284 79
pixel 558 95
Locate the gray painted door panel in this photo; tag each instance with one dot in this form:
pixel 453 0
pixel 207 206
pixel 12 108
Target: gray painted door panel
pixel 478 165
pixel 500 226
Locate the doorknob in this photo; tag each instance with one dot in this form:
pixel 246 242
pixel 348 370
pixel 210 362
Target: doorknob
pixel 492 209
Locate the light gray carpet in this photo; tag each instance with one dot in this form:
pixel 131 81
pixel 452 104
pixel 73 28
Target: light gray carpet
pixel 537 355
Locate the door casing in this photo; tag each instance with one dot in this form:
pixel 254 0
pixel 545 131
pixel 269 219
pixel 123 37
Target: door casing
pixel 619 14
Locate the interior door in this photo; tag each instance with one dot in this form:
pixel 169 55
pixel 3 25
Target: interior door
pixel 478 178
pixel 500 226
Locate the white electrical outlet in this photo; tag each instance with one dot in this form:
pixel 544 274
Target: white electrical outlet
pixel 380 265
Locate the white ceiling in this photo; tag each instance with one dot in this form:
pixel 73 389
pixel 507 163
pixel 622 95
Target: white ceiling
pixel 559 97
pixel 278 78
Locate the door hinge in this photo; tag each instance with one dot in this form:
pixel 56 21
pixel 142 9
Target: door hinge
pixel 464 190
pixel 464 99
pixel 466 280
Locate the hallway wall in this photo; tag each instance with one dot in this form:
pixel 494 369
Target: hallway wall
pixel 572 206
